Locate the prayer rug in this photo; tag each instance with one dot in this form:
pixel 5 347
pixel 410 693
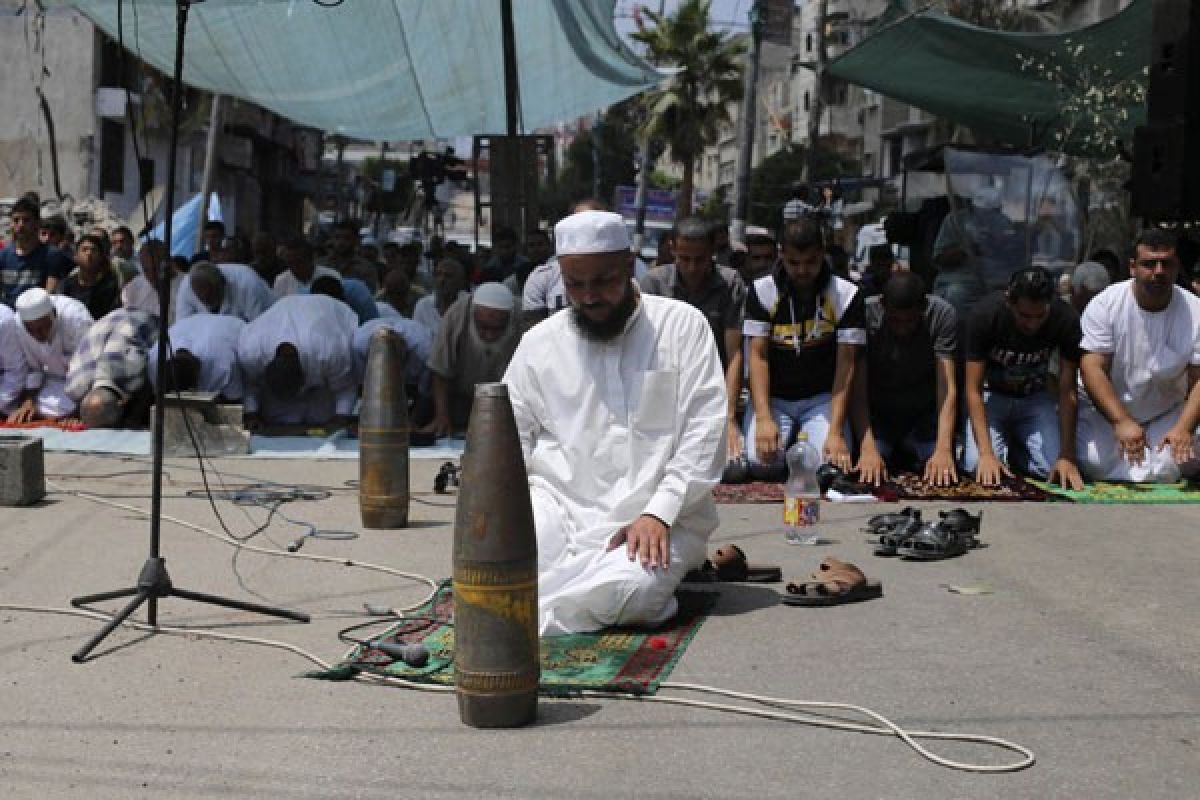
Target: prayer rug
pixel 616 660
pixel 906 486
pixel 1103 492
pixel 60 424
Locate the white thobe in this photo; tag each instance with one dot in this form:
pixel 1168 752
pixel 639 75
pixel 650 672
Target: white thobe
pixel 140 295
pixel 417 340
pixel 1151 352
pixel 610 431
pixel 12 363
pixel 246 295
pixel 45 364
pixel 213 340
pixel 322 330
pixel 286 282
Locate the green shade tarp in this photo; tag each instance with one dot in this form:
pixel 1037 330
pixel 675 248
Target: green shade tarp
pixel 390 69
pixel 974 76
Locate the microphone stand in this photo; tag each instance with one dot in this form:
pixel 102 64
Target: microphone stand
pixel 153 582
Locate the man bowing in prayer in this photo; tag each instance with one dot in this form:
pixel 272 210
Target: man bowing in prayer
pixel 621 409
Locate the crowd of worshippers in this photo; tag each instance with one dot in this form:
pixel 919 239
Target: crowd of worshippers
pixel 1053 380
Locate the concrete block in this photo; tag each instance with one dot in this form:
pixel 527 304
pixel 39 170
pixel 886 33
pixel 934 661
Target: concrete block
pixel 217 429
pixel 22 471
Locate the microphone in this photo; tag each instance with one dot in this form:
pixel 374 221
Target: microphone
pixel 414 655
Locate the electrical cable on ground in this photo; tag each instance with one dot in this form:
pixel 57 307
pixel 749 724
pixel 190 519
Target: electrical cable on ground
pixel 885 728
pixel 234 542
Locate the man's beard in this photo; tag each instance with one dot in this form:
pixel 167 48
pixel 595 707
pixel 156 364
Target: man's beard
pixel 612 326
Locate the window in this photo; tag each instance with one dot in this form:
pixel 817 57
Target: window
pixel 112 156
pixel 807 101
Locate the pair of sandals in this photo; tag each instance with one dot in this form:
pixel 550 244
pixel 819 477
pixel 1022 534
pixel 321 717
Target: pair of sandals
pixel 906 535
pixel 834 583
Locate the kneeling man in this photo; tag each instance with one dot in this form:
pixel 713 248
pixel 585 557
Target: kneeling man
pixel 621 409
pixel 1140 369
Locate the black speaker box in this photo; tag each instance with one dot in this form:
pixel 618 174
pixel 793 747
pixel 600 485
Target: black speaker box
pixel 1166 176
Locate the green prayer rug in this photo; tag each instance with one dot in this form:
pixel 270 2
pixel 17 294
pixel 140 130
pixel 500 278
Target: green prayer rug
pixel 631 661
pixel 1132 493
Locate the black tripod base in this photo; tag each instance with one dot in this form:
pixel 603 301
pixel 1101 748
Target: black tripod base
pixel 153 584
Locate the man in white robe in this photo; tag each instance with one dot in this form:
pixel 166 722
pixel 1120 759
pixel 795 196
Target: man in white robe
pixel 12 362
pixel 141 293
pixel 621 408
pixel 203 356
pixel 1141 372
pixel 233 289
pixel 298 362
pixel 50 331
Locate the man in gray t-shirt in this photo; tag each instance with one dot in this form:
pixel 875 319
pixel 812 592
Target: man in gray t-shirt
pixel 905 394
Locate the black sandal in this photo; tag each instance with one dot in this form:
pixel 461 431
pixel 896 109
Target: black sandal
pixel 934 542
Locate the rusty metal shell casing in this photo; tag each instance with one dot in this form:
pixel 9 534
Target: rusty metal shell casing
pixel 383 435
pixel 496 667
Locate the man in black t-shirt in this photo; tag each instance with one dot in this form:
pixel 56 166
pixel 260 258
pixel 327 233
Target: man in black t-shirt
pixel 94 283
pixel 905 392
pixel 1010 341
pixel 805 326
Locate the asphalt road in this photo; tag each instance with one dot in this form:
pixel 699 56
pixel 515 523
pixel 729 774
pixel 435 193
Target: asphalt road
pixel 1087 652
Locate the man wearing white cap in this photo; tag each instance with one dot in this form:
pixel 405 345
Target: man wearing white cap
pixel 473 345
pixel 298 362
pixel 620 403
pixel 51 330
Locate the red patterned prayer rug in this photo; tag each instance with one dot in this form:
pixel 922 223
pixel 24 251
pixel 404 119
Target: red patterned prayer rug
pixel 905 486
pixel 615 660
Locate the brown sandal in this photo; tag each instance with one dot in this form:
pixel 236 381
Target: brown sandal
pixel 728 564
pixel 835 583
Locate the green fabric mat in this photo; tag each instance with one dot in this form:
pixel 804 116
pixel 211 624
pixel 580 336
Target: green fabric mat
pixel 1143 493
pixel 615 660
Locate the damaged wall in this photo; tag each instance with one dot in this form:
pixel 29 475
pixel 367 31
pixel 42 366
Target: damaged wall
pixel 66 45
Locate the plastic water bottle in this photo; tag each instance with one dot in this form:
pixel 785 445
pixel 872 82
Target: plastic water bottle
pixel 801 494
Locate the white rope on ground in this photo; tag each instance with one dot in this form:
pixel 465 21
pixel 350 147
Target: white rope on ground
pixel 199 633
pixel 885 728
pixel 228 540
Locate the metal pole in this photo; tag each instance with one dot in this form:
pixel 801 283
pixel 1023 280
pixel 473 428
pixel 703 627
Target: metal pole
pixel 512 107
pixel 639 230
pixel 164 302
pixel 210 157
pixel 741 202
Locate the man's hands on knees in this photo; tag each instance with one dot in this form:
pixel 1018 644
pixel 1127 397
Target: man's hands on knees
pixel 1180 442
pixel 1131 438
pixel 647 539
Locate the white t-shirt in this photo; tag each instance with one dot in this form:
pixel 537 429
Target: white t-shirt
pixel 1151 350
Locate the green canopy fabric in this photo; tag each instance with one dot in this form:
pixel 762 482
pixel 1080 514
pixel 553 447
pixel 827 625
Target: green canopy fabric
pixel 390 69
pixel 974 76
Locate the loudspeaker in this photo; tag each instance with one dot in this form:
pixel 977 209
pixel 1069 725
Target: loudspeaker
pixel 1166 173
pixel 1174 86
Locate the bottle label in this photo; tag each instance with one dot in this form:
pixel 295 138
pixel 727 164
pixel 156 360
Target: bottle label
pixel 801 512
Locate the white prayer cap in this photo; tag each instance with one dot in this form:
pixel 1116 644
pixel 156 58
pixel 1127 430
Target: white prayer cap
pixel 591 232
pixel 493 295
pixel 34 304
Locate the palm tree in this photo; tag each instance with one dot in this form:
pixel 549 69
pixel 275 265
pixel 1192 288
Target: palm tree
pixel 689 108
